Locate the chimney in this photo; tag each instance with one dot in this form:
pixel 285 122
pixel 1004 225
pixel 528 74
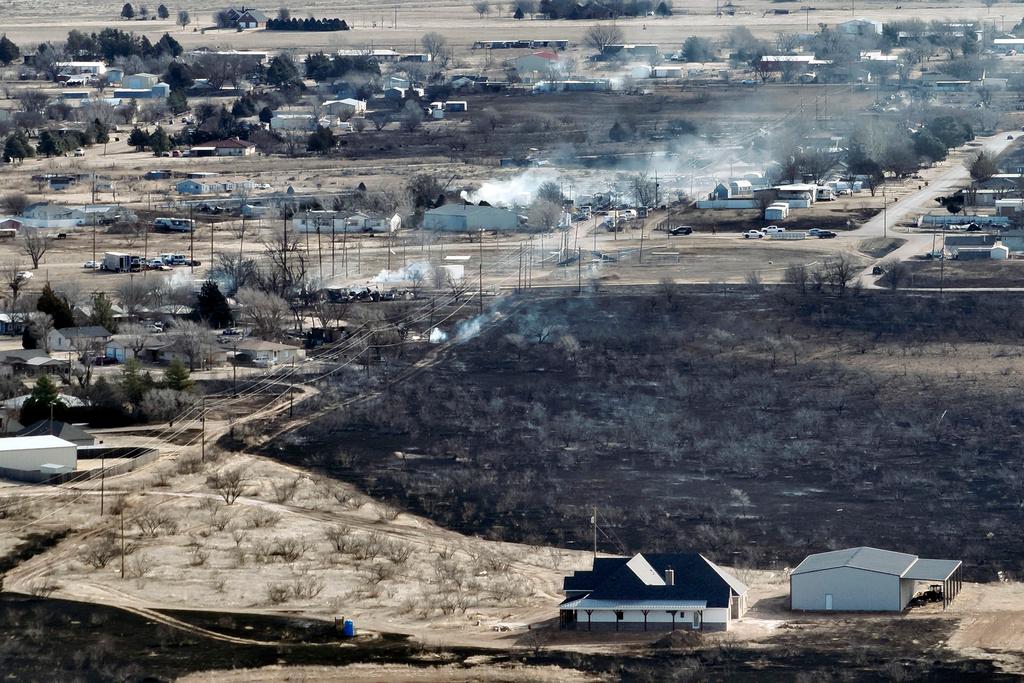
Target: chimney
pixel 670 577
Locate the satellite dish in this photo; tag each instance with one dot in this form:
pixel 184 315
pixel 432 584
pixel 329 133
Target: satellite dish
pixel 396 223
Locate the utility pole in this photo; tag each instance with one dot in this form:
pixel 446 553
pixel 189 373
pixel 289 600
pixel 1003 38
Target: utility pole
pixel 641 261
pixel 234 371
pixel 319 250
pixel 593 522
pixel 480 268
pixel 885 218
pixel 122 541
pixel 579 272
pixel 211 244
pixel 202 421
pixel 191 240
pixel 103 477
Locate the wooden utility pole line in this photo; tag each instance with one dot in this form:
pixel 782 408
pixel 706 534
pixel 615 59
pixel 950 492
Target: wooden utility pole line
pixel 202 421
pixel 480 268
pixel 593 521
pixel 122 541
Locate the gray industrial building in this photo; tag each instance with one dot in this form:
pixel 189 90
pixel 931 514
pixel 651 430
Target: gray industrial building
pixel 467 218
pixel 867 580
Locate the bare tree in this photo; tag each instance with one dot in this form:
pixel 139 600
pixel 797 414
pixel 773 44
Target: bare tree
pixel 134 336
pixel 12 275
pixel 840 272
pixel 644 190
pixel 483 8
pixel 39 326
pixel 601 36
pixel 229 484
pixel 411 117
pixel 544 215
pixel 134 296
pixel 191 339
pixel 895 273
pixel 236 270
pixel 286 268
pixel 34 244
pixel 88 350
pixel 265 311
pixel 15 202
pixel 434 44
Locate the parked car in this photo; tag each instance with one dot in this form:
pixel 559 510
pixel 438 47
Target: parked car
pixel 104 360
pixel 93 265
pixel 231 331
pixel 264 362
pixel 79 152
pixel 826 235
pixel 1009 137
pixel 753 235
pixel 814 232
pixel 24 275
pixel 973 227
pixel 155 263
pixel 681 230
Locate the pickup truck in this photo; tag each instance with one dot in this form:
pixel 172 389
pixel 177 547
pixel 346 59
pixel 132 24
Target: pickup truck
pixel 753 235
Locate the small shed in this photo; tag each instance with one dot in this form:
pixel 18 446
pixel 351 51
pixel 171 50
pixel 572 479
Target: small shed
pixel 777 211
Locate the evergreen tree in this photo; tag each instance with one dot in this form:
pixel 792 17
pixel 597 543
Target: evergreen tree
pixel 8 50
pixel 134 382
pixel 127 12
pixel 618 133
pixel 162 12
pixel 322 141
pixel 282 70
pixel 100 132
pixel 139 139
pixel 56 306
pixel 50 144
pixel 212 306
pixel 17 147
pixel 179 76
pixel 45 395
pixel 177 376
pixel 103 313
pixel 159 141
pixel 266 114
pixel 28 340
pixel 243 106
pixel 177 102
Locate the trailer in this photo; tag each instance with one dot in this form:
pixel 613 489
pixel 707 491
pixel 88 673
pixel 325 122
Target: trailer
pixel 795 235
pixel 116 262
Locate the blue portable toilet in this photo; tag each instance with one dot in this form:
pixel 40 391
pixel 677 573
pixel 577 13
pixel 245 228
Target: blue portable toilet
pixel 348 629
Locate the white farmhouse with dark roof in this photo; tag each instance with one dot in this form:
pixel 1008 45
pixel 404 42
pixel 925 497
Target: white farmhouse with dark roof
pixel 650 592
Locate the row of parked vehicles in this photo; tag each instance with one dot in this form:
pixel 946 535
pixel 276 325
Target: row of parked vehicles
pixel 777 233
pixel 118 262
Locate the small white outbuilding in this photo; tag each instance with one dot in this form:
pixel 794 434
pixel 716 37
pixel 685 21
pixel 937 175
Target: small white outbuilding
pixel 38 453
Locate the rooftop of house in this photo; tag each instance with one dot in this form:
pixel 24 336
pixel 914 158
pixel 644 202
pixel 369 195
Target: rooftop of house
pixel 87 332
pixel 642 578
pixel 263 345
pixel 63 430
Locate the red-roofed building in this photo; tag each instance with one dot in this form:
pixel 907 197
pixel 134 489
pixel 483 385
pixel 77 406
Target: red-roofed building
pixel 542 62
pixel 232 147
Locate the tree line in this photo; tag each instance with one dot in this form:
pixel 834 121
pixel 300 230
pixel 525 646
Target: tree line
pixel 307 24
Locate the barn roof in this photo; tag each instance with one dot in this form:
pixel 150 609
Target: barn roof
pixel 870 559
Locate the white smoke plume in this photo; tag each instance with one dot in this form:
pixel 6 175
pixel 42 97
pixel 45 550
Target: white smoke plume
pixel 516 191
pixel 438 336
pixel 418 270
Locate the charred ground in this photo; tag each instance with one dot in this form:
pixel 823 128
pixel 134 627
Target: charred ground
pixel 753 425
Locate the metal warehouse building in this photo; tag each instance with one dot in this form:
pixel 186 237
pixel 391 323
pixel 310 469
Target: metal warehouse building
pixel 467 217
pixel 38 454
pixel 867 580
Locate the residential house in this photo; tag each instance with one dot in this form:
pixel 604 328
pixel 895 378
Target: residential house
pixel 246 17
pixel 268 353
pixel 63 430
pixel 82 68
pixel 652 591
pixel 163 350
pixel 31 363
pixel 326 222
pixel 345 107
pixel 79 338
pixel 468 218
pixel 224 148
pixel 537 64
pixel 12 324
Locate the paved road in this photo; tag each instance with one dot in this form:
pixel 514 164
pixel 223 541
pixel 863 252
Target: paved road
pixel 955 176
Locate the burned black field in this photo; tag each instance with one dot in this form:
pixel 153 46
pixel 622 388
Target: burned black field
pixel 755 426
